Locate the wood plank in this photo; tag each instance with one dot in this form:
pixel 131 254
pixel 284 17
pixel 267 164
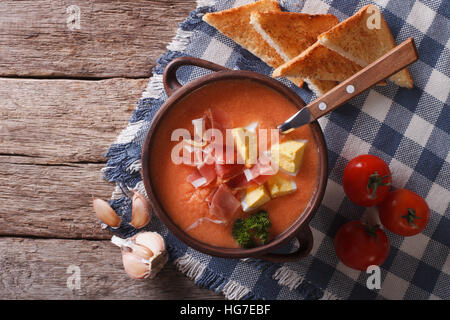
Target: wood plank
pixel 50 201
pixel 53 137
pixel 37 269
pixel 115 39
pixel 64 121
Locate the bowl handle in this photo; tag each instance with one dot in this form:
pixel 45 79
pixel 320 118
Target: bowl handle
pixel 170 80
pixel 305 240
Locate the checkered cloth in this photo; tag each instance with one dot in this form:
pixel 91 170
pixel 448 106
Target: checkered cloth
pixel 409 129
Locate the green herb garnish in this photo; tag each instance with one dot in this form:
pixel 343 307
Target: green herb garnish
pixel 252 231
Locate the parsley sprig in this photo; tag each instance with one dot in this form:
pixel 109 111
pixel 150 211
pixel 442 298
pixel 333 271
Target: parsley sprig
pixel 252 231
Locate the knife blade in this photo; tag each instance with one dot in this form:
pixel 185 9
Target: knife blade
pixel 301 118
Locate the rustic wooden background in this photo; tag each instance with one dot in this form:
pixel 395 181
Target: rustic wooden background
pixel 58 89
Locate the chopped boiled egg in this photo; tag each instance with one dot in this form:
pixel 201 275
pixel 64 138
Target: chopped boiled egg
pixel 254 198
pixel 246 142
pixel 279 186
pixel 289 155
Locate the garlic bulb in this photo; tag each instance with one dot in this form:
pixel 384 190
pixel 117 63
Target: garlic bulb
pixel 140 211
pixel 105 213
pixel 143 255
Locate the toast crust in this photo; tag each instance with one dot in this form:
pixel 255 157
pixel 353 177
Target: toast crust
pixel 353 39
pixel 318 62
pixel 320 87
pixel 235 24
pixel 291 31
pixel 290 34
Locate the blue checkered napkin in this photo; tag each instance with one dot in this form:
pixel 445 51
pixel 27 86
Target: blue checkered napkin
pixel 409 129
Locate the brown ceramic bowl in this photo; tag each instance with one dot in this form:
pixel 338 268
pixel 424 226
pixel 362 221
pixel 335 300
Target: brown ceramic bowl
pixel 299 229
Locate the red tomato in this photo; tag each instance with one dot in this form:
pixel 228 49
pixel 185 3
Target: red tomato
pixel 366 180
pixel 359 245
pixel 404 212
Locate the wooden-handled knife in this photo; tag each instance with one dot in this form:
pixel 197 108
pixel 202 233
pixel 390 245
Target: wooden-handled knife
pixel 398 58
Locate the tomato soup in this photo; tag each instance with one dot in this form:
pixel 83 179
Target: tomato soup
pixel 244 102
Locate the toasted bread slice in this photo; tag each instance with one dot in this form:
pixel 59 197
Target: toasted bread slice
pixel 320 87
pixel 291 33
pixel 361 40
pixel 235 24
pixel 297 81
pixel 318 62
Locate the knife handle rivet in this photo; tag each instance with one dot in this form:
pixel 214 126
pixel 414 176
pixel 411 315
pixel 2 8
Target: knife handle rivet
pixel 350 88
pixel 322 106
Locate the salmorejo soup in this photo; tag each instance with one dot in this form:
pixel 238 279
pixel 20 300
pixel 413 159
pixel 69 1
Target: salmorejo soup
pixel 223 173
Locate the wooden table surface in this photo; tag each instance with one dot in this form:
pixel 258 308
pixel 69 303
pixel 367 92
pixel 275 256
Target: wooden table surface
pixel 58 91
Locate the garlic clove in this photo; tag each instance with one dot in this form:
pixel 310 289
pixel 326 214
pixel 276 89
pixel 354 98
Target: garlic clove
pixel 140 211
pixel 142 252
pixel 134 266
pixel 157 263
pixel 151 240
pixel 130 245
pixel 143 255
pixel 105 213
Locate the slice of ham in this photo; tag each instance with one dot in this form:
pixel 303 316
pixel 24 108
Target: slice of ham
pixel 200 220
pixel 210 196
pixel 196 179
pixel 222 155
pixel 223 203
pixel 208 169
pixel 208 150
pixel 261 171
pixel 267 166
pixel 255 174
pixel 192 155
pixel 228 171
pixel 232 177
pixel 239 182
pixel 204 174
pixel 252 173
